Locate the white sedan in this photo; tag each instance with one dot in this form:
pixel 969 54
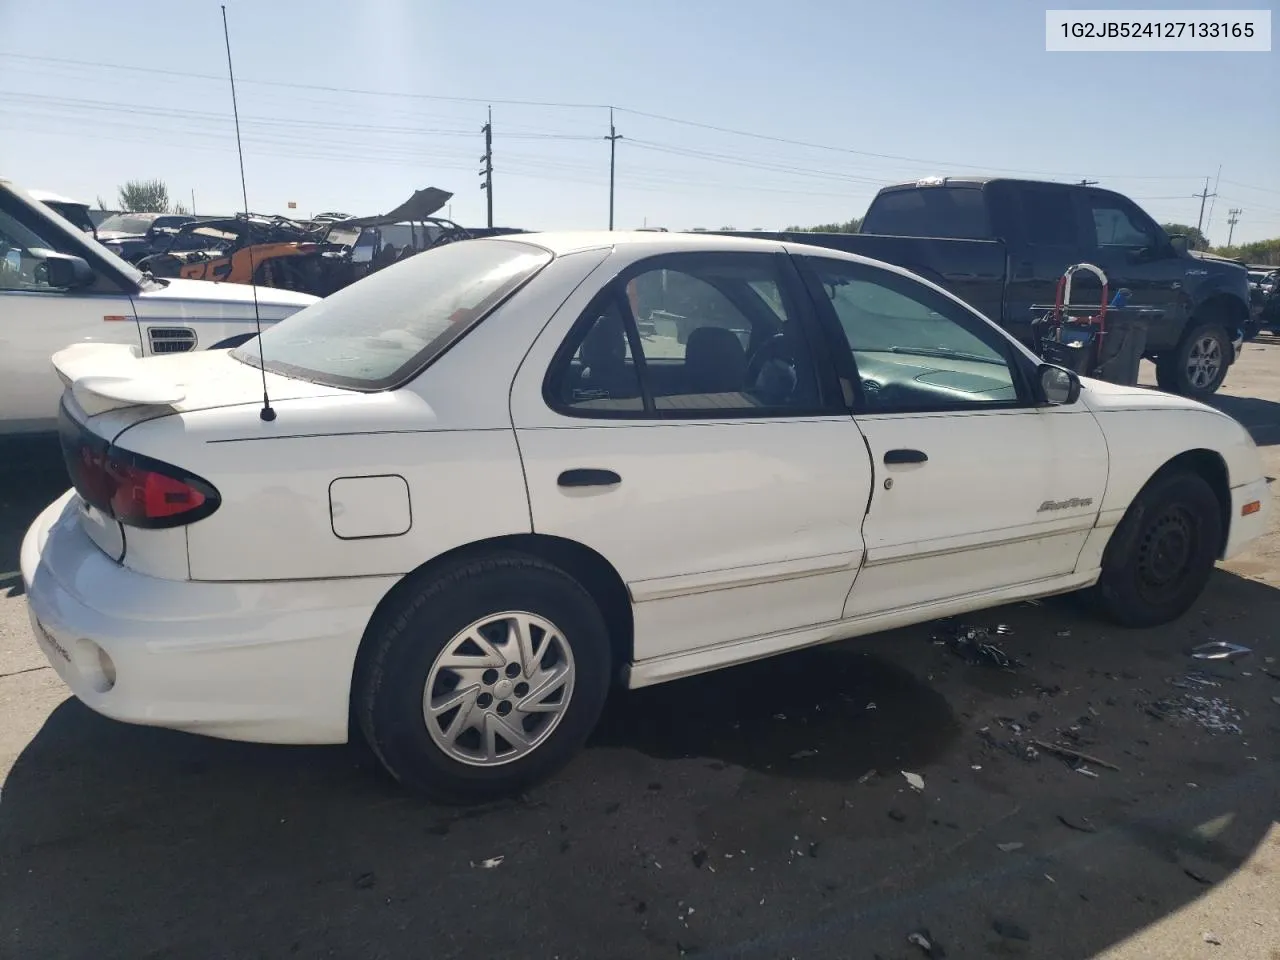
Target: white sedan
pixel 488 483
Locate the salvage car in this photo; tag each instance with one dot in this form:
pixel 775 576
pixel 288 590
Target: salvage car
pixel 132 236
pixel 447 508
pixel 59 286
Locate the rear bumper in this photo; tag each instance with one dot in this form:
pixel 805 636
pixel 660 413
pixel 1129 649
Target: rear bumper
pixel 1246 528
pixel 269 662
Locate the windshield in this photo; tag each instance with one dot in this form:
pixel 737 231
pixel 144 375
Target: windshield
pixel 128 223
pixel 63 237
pixel 375 333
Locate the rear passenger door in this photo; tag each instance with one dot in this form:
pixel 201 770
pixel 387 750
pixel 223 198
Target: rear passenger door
pixel 680 423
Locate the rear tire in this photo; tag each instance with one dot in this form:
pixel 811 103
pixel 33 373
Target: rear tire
pixel 521 713
pixel 1198 365
pixel 1161 555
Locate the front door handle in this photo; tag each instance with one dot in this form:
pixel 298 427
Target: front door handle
pixel 584 477
pixel 904 456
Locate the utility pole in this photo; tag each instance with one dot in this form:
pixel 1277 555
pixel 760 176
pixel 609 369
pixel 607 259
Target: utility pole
pixel 1203 197
pixel 613 139
pixel 487 160
pixel 1233 217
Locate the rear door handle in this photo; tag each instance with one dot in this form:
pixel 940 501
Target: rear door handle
pixel 904 456
pixel 584 477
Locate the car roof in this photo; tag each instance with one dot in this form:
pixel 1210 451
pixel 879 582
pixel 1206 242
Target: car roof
pixel 560 243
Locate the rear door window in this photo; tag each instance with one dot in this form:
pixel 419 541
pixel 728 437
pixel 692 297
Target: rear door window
pixel 958 213
pixel 1048 217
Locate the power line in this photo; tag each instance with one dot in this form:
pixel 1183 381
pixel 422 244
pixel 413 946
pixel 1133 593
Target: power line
pixel 292 85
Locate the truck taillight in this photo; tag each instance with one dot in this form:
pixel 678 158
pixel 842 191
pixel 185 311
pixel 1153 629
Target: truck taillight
pixel 137 491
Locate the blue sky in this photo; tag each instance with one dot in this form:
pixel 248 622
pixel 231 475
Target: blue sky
pixel 892 90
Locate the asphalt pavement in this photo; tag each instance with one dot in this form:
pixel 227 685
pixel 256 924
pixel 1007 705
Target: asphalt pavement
pixel 759 812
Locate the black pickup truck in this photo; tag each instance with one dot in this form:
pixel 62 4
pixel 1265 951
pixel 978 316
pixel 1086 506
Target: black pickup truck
pixel 1001 245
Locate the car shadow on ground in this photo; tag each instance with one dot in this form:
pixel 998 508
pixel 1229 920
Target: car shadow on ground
pixel 760 811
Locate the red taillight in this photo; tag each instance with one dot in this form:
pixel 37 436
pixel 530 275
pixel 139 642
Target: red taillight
pixel 136 490
pixel 141 496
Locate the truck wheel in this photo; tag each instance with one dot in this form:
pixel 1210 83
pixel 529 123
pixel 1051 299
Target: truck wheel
pixel 1162 553
pixel 1197 366
pixel 484 679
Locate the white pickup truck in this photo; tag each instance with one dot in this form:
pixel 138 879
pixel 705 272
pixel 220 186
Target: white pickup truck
pixel 59 286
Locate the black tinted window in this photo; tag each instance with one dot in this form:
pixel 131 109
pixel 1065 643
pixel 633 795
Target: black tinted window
pixel 1049 217
pixel 952 212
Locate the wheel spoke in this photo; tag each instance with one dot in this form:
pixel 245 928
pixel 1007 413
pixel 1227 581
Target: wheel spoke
pixel 520 641
pixel 489 655
pixel 535 700
pixel 462 719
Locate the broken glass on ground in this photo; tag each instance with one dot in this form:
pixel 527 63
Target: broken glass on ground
pixel 975 646
pixel 1219 650
pixel 1214 714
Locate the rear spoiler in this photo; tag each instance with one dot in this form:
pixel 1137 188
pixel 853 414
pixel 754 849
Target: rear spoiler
pixel 107 376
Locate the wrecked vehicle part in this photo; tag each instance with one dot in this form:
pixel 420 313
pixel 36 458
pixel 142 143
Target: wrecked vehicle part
pixel 975 646
pixel 1220 650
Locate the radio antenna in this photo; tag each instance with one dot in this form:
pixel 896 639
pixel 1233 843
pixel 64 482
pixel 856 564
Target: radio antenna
pixel 266 413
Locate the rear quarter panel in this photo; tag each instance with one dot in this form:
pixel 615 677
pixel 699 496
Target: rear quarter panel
pixel 447 434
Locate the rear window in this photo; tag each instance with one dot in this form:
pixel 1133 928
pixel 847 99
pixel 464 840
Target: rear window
pixel 956 213
pixel 378 332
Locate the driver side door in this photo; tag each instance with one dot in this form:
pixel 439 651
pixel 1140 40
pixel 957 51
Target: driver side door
pixel 976 488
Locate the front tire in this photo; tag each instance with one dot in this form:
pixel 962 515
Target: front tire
pixel 1162 553
pixel 484 679
pixel 1197 366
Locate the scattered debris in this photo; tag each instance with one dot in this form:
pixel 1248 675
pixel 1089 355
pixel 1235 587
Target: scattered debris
pixel 1220 650
pixel 975 646
pixel 1210 713
pixel 490 863
pixel 871 706
pixel 923 939
pixel 366 881
pixel 1014 747
pixel 975 766
pixel 1064 633
pixel 779 716
pixel 1009 847
pixel 1010 930
pixel 1210 937
pixel 1194 679
pixel 1083 824
pixel 866 776
pixel 1070 754
pixel 804 754
pixel 916 781
pixel 1003 629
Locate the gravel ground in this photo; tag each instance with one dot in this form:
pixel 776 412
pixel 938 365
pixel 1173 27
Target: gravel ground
pixel 758 812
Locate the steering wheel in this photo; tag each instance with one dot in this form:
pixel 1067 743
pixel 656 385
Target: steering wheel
pixel 771 368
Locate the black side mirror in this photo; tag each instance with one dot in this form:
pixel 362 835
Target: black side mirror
pixel 1058 385
pixel 66 272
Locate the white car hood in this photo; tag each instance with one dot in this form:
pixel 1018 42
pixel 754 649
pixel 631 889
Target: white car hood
pixel 183 299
